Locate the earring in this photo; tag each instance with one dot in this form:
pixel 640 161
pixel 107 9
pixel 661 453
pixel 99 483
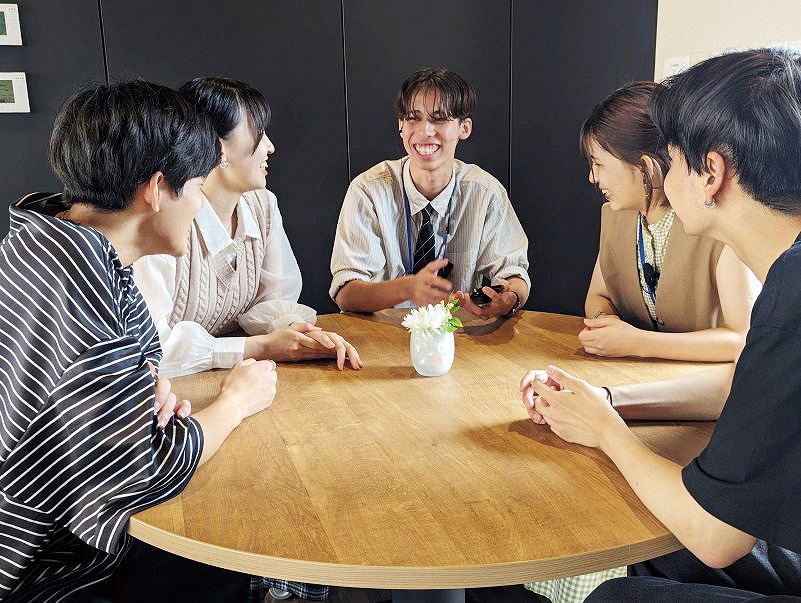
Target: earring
pixel 710 205
pixel 223 163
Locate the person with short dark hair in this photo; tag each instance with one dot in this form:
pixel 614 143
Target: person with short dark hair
pixel 412 230
pixel 238 272
pixel 89 433
pixel 732 124
pixel 648 267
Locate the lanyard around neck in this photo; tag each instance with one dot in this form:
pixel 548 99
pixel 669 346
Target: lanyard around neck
pixel 641 251
pixel 408 214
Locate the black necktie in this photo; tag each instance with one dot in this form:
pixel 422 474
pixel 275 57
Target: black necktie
pixel 424 249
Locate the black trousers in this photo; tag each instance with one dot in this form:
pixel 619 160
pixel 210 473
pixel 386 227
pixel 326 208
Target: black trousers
pixel 149 575
pixel 765 574
pixel 648 589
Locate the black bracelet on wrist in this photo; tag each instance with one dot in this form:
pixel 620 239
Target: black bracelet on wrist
pixel 515 306
pixel 608 395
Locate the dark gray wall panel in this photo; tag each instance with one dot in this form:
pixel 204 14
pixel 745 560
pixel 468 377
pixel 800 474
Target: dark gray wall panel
pixel 385 40
pixel 564 58
pixel 292 52
pixel 61 50
pixel 567 57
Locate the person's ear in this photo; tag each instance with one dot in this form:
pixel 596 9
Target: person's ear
pixel 152 192
pixel 465 128
pixel 400 127
pixel 225 150
pixel 714 178
pixel 654 171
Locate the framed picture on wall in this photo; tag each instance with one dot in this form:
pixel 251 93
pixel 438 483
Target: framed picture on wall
pixel 10 34
pixel 14 92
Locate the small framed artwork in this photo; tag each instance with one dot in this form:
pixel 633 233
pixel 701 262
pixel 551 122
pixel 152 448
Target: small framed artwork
pixel 14 92
pixel 10 34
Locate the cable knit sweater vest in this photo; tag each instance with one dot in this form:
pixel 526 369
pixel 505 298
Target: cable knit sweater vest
pixel 211 292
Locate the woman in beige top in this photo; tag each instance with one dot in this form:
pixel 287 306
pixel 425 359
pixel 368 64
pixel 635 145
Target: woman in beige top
pixel 655 291
pixel 238 272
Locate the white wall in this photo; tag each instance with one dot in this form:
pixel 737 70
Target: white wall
pixel 688 31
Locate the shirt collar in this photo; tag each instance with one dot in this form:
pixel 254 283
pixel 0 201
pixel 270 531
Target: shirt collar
pixel 418 201
pixel 664 223
pixel 214 234
pixel 247 224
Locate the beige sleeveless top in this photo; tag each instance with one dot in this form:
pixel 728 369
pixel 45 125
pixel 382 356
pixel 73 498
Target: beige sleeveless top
pixel 687 295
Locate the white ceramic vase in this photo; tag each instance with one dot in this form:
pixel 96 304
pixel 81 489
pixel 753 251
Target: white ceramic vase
pixel 432 352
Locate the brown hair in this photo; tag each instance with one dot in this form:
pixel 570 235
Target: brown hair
pixel 621 125
pixel 455 95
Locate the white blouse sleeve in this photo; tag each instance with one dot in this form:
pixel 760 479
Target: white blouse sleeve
pixel 276 305
pixel 188 347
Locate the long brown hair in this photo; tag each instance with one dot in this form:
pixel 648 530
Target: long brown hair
pixel 622 126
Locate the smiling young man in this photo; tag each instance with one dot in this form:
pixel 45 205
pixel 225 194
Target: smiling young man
pixel 416 229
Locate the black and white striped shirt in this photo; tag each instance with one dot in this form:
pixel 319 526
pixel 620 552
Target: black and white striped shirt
pixel 80 450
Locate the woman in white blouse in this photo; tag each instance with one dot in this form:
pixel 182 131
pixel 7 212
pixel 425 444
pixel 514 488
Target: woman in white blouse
pixel 239 272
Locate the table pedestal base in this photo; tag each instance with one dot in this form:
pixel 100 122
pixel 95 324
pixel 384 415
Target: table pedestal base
pixel 428 596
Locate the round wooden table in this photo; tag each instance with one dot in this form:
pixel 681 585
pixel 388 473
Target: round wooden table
pixel 380 478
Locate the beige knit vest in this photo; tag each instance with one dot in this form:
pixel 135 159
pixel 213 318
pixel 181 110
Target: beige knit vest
pixel 687 295
pixel 208 290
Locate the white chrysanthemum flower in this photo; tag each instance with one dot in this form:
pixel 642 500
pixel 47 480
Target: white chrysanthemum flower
pixel 428 318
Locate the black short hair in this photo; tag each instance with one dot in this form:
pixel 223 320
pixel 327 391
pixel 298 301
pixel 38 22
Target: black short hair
pixel 226 102
pixel 455 96
pixel 747 107
pixel 108 140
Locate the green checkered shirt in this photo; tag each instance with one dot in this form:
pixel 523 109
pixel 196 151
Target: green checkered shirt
pixel 576 588
pixel 655 238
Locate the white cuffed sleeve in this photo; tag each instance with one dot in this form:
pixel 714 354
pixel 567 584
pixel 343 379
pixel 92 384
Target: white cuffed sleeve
pixel 276 305
pixel 188 347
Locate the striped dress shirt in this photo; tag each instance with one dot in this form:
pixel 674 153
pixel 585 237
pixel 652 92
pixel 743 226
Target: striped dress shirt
pixel 80 450
pixel 485 238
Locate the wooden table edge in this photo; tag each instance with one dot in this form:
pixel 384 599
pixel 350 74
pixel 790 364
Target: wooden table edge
pixel 401 577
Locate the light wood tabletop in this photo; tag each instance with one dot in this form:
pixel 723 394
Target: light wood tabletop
pixel 380 478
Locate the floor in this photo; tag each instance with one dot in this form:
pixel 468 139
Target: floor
pixel 500 594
